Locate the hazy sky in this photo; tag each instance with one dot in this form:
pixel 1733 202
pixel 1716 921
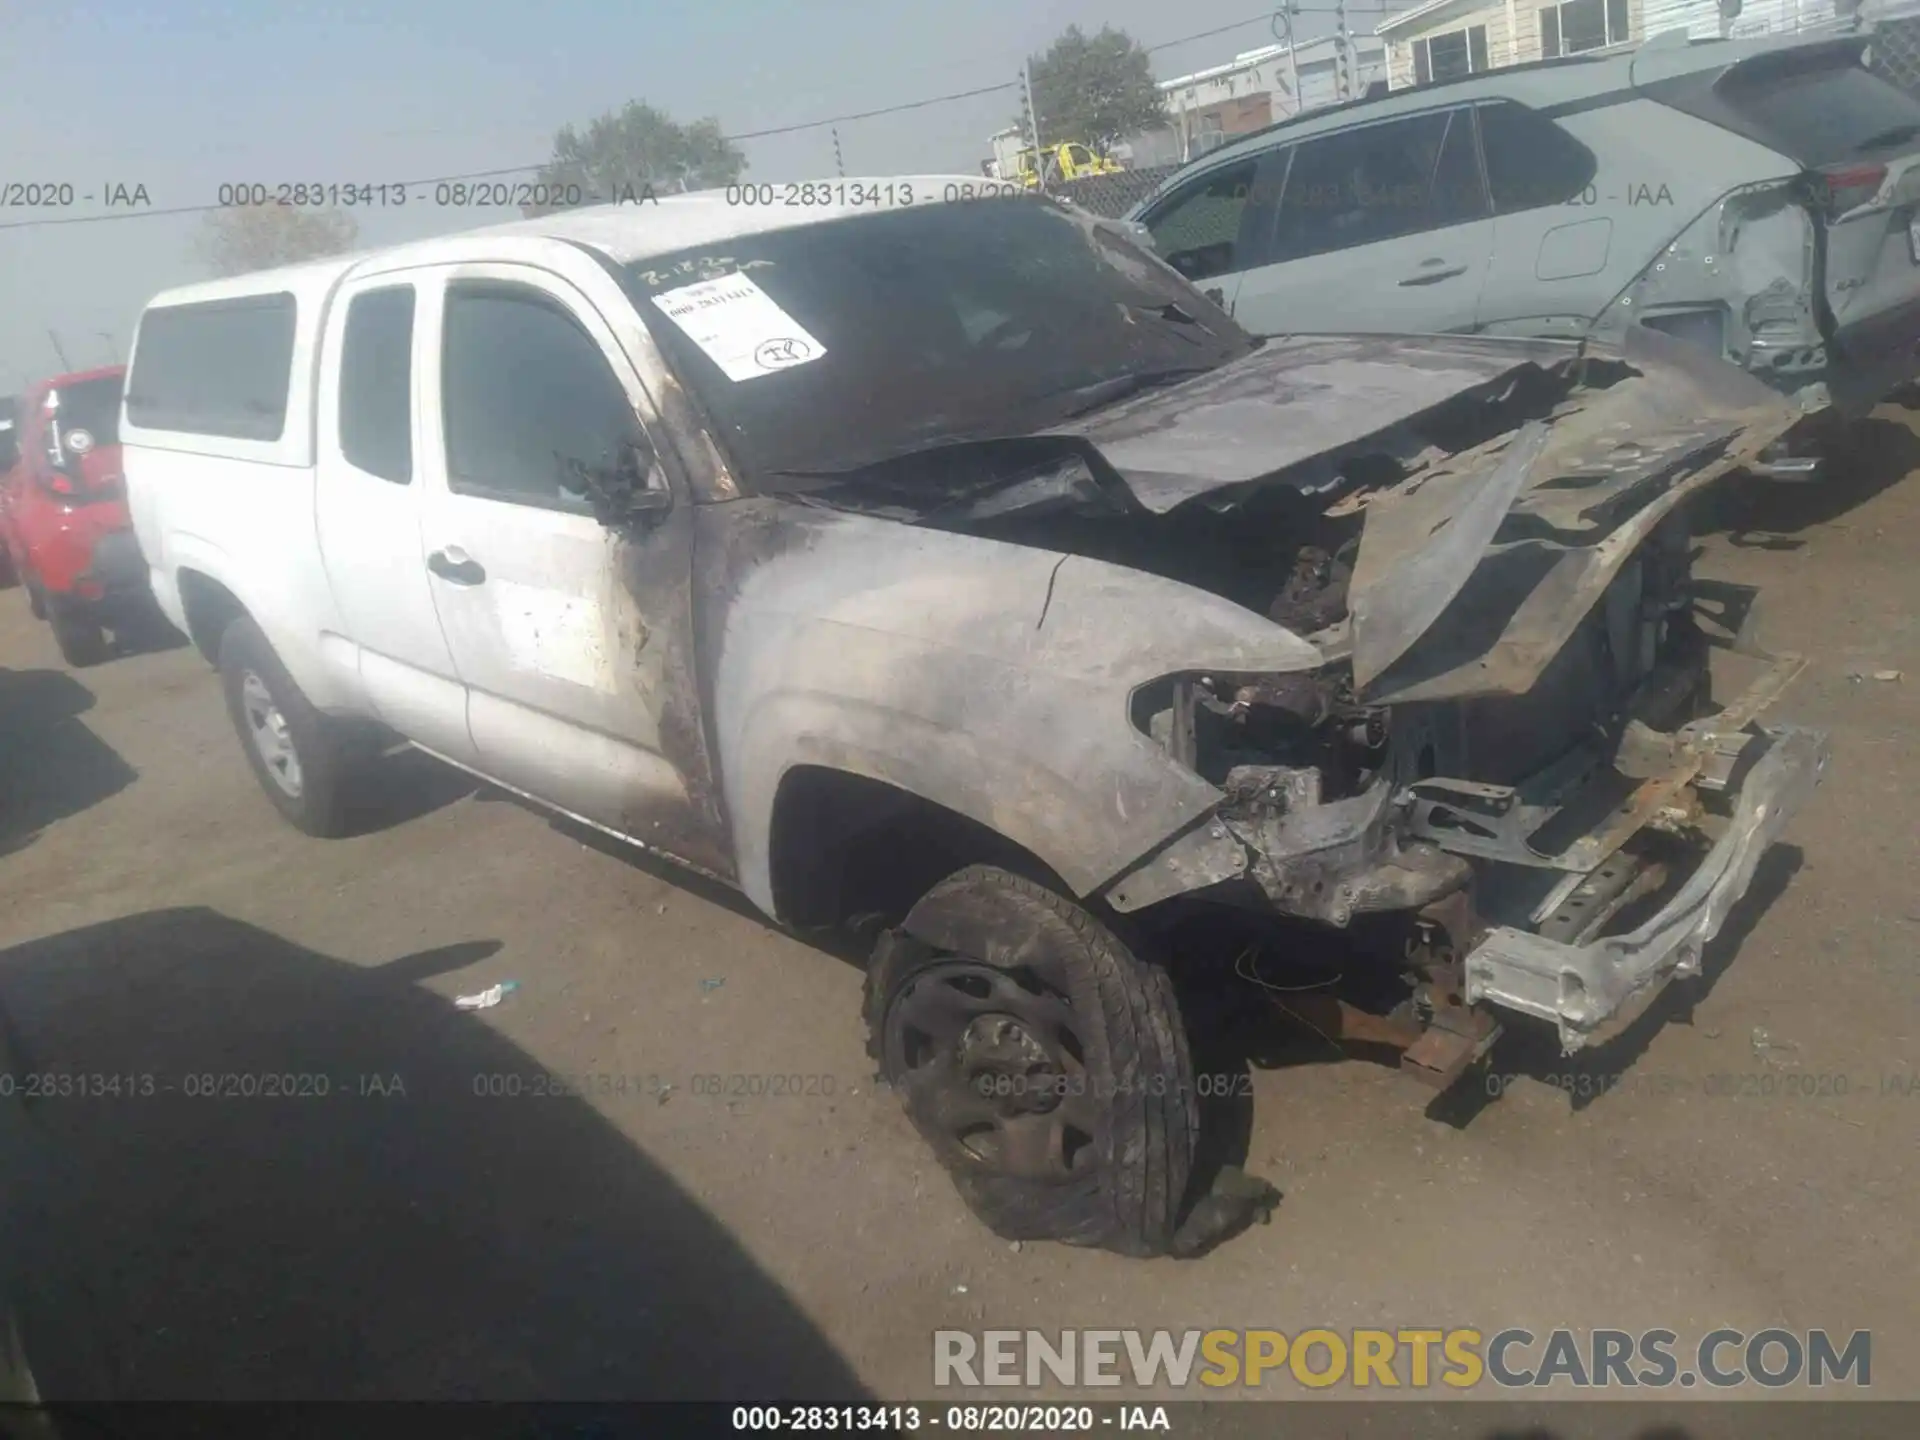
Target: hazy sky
pixel 181 95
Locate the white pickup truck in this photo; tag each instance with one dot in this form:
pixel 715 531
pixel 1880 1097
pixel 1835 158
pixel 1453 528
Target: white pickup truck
pixel 948 563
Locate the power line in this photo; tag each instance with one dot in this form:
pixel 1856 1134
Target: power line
pixel 870 114
pixel 505 170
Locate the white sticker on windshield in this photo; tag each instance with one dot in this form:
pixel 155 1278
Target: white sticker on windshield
pixel 739 326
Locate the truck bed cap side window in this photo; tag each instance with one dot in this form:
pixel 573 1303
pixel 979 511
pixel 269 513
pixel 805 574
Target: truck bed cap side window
pixel 376 384
pixel 218 367
pixel 527 397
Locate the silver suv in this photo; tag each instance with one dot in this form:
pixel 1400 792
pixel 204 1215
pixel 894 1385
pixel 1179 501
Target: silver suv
pixel 1756 198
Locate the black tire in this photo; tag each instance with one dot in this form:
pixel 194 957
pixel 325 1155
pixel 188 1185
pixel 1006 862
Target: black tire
pixel 1128 1093
pixel 36 597
pixel 77 631
pixel 315 800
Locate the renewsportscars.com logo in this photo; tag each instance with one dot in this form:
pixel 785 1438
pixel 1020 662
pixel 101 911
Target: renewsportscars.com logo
pixel 1398 1359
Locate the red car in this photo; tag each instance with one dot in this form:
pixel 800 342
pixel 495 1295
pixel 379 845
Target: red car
pixel 63 512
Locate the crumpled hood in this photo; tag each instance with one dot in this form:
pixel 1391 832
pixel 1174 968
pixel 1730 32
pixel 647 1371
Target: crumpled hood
pixel 1294 405
pixel 1473 574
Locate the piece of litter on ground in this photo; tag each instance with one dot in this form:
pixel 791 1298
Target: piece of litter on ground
pixel 1764 1045
pixel 487 998
pixel 661 911
pixel 959 1289
pixel 711 985
pixel 1015 1247
pixel 1886 674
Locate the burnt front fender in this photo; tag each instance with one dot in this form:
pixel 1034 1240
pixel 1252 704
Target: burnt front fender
pixel 989 678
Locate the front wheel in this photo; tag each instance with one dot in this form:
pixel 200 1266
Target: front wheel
pixel 297 754
pixel 1044 1062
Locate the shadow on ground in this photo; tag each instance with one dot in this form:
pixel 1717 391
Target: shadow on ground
pixel 357 1209
pixel 146 631
pixel 1759 514
pixel 398 787
pixel 51 765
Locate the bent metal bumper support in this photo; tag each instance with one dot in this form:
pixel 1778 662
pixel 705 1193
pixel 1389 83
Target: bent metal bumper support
pixel 1593 991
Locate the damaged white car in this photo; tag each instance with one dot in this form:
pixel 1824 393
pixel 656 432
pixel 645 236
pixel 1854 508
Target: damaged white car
pixel 951 568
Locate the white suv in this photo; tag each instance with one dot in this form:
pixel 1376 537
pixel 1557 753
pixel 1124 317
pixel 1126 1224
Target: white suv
pixel 957 565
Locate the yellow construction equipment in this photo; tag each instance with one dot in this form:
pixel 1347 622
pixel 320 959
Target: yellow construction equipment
pixel 1069 160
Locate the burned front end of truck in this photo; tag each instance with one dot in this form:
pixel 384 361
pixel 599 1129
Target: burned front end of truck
pixel 1355 631
pixel 1513 743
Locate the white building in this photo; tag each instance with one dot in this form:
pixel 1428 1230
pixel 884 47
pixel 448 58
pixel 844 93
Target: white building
pixel 1254 89
pixel 1446 39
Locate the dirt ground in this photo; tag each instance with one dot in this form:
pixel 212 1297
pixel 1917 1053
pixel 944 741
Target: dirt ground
pixel 418 1231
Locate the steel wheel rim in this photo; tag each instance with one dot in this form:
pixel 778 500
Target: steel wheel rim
pixel 267 729
pixel 991 1066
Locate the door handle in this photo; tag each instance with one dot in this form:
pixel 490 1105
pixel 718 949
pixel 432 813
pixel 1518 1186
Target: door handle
pixel 455 565
pixel 1433 277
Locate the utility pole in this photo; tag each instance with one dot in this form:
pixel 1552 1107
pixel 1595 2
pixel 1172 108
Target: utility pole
pixel 1033 125
pixel 1342 50
pixel 1283 32
pixel 839 164
pixel 65 364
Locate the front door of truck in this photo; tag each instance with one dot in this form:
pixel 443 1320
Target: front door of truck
pixel 367 510
pixel 573 638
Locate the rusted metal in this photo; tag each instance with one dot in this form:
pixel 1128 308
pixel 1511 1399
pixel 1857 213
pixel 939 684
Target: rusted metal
pixel 1657 793
pixel 1338 1020
pixel 1456 1034
pixel 1579 910
pixel 1446 929
pixel 1445 1053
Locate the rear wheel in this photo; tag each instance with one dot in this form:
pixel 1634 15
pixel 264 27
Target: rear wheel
pixel 1044 1062
pixel 299 756
pixel 77 631
pixel 36 597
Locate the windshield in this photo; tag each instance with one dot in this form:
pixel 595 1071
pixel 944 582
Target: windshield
pixel 909 328
pixel 92 406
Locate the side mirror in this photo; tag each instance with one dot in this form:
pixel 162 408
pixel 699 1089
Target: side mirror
pixel 651 497
pixel 651 500
pixel 633 489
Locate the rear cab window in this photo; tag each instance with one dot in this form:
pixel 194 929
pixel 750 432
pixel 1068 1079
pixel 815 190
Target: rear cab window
pixel 215 367
pixel 376 384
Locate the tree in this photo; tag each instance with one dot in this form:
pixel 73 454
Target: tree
pixel 1095 89
pixel 236 239
pixel 625 152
